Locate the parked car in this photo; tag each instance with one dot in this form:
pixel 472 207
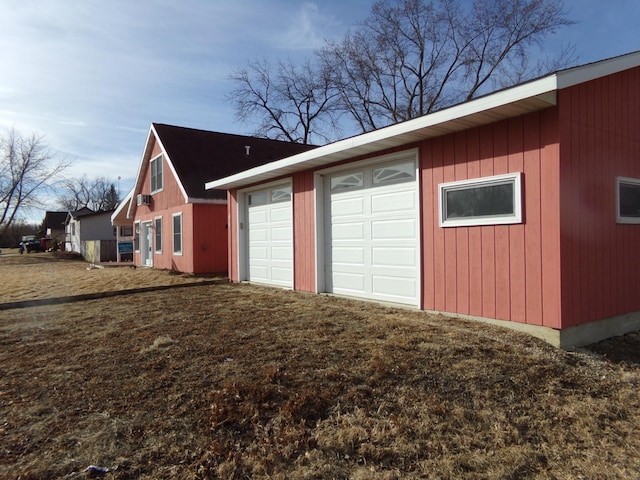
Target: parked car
pixel 29 243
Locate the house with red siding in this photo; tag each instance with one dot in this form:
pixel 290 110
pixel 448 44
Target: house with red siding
pixel 176 223
pixel 520 208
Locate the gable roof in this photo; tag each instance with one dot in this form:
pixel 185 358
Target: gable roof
pixel 511 102
pixel 195 156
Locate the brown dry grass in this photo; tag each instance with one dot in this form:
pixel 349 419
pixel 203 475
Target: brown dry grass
pixel 239 381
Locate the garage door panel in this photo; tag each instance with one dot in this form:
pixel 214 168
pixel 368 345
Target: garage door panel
pixel 257 216
pixel 394 256
pixel 346 204
pixel 393 202
pixel 404 229
pixel 258 272
pixel 280 276
pixel 281 234
pixel 259 253
pixel 281 213
pixel 348 231
pixel 394 287
pixel 344 282
pixel 281 253
pixel 348 255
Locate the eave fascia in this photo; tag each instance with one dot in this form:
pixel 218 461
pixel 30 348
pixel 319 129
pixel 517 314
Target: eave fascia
pixel 528 97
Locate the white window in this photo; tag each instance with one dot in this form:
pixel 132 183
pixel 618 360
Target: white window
pixel 136 237
pixel 347 182
pixel 398 173
pixel 495 200
pixel 628 200
pixel 156 174
pixel 158 234
pixel 259 198
pixel 177 234
pixel 281 194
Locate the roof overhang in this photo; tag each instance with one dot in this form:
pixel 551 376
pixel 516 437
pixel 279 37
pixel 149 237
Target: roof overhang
pixel 524 98
pixel 515 101
pixel 119 217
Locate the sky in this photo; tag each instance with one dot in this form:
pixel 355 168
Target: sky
pixel 92 75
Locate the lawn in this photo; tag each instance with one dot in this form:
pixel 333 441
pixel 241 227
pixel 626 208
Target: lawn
pixel 206 379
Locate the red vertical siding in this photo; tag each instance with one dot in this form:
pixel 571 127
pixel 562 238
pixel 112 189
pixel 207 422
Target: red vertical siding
pixel 600 139
pixel 532 226
pixel 429 191
pixel 475 234
pixel 488 271
pixel 210 238
pixel 517 271
pixel 438 246
pixel 304 251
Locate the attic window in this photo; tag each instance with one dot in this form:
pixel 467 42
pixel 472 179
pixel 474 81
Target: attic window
pixel 156 174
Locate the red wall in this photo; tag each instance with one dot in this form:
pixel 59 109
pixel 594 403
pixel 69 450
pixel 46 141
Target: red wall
pixel 508 272
pixel 304 251
pixel 600 139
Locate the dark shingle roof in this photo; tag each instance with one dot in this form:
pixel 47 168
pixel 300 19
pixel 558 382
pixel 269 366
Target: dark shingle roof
pixel 200 156
pixel 54 219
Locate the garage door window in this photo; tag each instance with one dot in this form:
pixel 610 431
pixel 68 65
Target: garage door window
pixel 281 194
pixel 485 201
pixel 402 172
pixel 347 182
pixel 257 199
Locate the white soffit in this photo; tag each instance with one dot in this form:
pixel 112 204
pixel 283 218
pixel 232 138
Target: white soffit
pixel 525 98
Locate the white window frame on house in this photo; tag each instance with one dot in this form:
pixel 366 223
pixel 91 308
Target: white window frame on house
pixel 620 216
pixel 514 179
pixel 157 232
pixel 156 174
pixel 177 251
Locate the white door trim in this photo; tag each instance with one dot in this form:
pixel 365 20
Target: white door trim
pixel 146 243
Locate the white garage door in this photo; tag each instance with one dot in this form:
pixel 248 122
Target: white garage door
pixel 270 236
pixel 372 232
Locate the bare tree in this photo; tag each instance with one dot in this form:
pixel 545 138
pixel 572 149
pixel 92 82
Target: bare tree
pixel 27 169
pixel 412 57
pixel 407 59
pixel 98 194
pixel 295 104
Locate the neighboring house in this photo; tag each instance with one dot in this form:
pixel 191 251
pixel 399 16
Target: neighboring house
pixel 84 226
pixel 54 223
pixel 177 224
pixel 521 207
pixel 124 230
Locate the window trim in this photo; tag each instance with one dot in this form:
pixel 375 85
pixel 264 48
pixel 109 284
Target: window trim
pixel 516 217
pixel 619 217
pixel 157 158
pixel 173 234
pixel 155 235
